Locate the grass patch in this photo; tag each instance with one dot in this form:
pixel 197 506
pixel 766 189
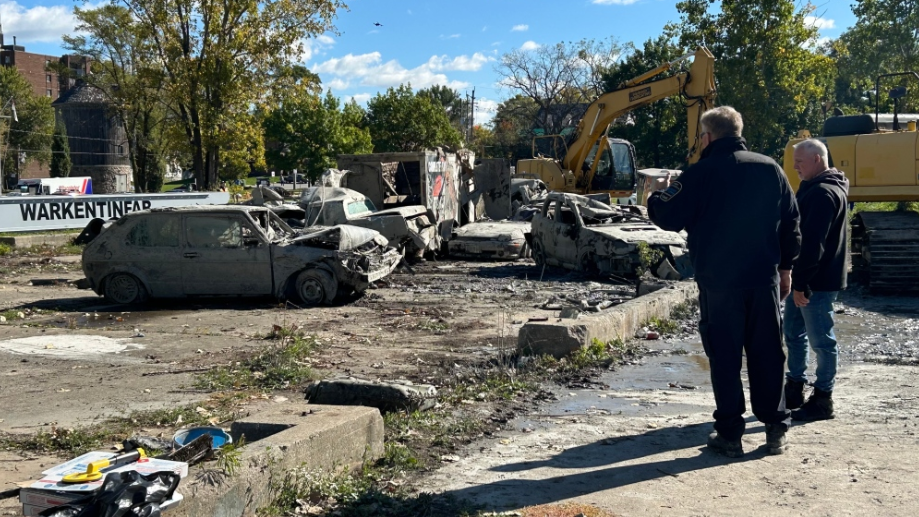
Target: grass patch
pixel 5 249
pixel 685 310
pixel 282 365
pixel 663 325
pixel 884 206
pixel 12 314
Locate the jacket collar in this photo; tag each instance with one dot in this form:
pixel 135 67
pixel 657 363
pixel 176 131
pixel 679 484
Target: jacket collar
pixel 723 146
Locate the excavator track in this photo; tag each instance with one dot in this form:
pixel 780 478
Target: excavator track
pixel 885 250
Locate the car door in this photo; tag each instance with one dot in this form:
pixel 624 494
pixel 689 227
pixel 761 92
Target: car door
pixel 151 247
pixel 225 254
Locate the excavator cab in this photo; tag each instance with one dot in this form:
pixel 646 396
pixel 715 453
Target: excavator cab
pixel 615 168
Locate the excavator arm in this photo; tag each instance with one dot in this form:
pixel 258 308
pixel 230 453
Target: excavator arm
pixel 697 88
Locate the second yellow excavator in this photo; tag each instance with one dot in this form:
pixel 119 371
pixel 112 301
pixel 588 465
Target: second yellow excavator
pixel 595 163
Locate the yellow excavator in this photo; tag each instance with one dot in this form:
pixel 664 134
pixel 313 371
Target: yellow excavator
pixel 595 163
pixel 879 155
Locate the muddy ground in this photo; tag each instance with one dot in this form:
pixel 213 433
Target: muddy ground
pixel 632 447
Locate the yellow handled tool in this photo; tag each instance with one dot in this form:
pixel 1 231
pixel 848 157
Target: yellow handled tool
pixel 94 469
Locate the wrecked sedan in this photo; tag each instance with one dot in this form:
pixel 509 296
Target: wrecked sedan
pixel 231 251
pixel 576 232
pixel 506 240
pixel 407 227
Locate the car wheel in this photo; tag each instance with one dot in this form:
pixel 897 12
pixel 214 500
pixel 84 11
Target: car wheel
pixel 316 286
pixel 124 289
pixel 539 252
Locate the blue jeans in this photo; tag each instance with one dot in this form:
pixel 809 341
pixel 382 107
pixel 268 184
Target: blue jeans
pixel 814 325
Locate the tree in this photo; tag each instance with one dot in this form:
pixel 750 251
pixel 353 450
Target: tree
pixel 483 142
pixel 125 70
pixel 309 131
pixel 60 152
pixel 32 132
pixel 767 65
pixel 456 107
pixel 658 131
pixel 561 79
pixel 220 59
pixel 884 39
pixel 513 126
pixel 402 121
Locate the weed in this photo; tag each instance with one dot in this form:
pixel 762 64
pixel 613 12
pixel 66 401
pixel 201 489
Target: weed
pixel 647 257
pixel 12 314
pixel 74 441
pixel 685 310
pixel 664 326
pixel 228 459
pixel 280 366
pixel 438 327
pixel 5 249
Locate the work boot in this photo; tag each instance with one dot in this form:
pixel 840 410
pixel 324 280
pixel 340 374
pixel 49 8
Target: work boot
pixel 818 407
pixel 719 444
pixel 775 439
pixel 794 394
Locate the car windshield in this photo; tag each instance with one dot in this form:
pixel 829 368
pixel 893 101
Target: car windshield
pixel 361 207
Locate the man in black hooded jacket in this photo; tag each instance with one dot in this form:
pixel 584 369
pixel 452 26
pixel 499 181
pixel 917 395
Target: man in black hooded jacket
pixel 742 220
pixel 818 275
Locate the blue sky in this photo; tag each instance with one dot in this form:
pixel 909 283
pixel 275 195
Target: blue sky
pixel 427 42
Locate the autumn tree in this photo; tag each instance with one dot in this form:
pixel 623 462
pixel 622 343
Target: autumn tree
pixel 32 127
pixel 399 120
pixel 513 127
pixel 560 79
pixel 60 152
pixel 309 131
pixel 658 130
pixel 220 59
pixel 767 66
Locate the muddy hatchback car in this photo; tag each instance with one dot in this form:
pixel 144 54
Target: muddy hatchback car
pixel 231 251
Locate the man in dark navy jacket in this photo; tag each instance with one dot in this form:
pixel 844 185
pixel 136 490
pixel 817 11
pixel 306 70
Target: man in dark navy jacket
pixel 742 220
pixel 818 275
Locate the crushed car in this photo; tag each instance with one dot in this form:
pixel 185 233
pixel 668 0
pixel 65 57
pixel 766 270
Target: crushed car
pixel 231 250
pixel 506 240
pixel 579 233
pixel 406 227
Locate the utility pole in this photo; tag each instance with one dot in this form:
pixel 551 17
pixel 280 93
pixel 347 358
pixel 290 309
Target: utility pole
pixel 472 117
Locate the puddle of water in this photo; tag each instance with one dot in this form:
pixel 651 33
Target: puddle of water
pixel 68 346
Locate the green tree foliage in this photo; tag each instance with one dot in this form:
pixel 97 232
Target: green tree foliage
pixel 767 66
pixel 483 142
pixel 399 120
pixel 513 126
pixel 885 39
pixel 34 127
pixel 560 79
pixel 220 59
pixel 125 70
pixel 454 104
pixel 658 131
pixel 309 131
pixel 60 152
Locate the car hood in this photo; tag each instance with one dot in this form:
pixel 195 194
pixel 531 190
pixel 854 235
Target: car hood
pixel 405 211
pixel 492 229
pixel 633 232
pixel 349 237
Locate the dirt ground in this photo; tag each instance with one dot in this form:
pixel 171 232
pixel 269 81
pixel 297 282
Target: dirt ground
pixel 633 448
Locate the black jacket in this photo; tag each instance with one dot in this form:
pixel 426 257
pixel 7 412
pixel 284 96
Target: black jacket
pixel 824 217
pixel 740 213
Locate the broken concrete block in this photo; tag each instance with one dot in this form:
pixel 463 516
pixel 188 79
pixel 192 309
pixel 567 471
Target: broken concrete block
pixel 648 284
pixel 570 313
pixel 385 396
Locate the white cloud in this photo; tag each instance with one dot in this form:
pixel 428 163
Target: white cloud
pixel 313 47
pixel 495 44
pixel 370 70
pixel 485 110
pixel 520 28
pixel 614 2
pixel 37 24
pixel 485 28
pixel 338 84
pixel 451 36
pixel 530 45
pixel 819 23
pixel 361 98
pixel 409 12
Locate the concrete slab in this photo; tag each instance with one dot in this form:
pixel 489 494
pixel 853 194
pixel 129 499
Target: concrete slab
pixel 38 239
pixel 278 439
pixel 563 337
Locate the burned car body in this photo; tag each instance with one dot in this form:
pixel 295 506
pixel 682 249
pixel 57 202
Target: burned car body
pixel 491 239
pixel 231 251
pixel 580 233
pixel 407 227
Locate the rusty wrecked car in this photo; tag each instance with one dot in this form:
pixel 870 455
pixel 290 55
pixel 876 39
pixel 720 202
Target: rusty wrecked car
pixel 231 250
pixel 583 234
pixel 406 227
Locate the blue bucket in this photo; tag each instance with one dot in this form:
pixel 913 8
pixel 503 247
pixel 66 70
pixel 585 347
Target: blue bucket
pixel 185 436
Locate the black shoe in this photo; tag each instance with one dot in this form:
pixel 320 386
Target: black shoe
pixel 794 394
pixel 731 449
pixel 818 407
pixel 775 439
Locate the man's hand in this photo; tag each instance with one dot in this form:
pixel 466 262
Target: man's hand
pixel 784 283
pixel 800 299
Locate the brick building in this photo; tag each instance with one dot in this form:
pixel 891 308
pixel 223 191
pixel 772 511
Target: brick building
pixel 45 81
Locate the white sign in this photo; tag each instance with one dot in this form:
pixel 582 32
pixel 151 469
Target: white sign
pixel 31 213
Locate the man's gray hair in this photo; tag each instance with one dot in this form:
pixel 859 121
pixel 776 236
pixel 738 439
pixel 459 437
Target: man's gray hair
pixel 814 146
pixel 723 121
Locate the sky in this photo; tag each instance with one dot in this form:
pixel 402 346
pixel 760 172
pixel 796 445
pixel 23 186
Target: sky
pixel 381 44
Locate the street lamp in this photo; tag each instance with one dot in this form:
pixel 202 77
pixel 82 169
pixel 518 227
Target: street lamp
pixel 15 118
